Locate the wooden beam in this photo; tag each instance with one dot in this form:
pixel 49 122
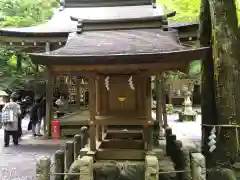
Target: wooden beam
pixel 120 154
pixel 122 144
pixel 123 135
pixel 152 67
pixel 49 101
pixel 123 121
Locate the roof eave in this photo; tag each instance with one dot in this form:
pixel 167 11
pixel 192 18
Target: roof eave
pixel 24 34
pixel 189 54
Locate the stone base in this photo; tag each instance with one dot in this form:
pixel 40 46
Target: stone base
pixel 151 167
pixel 84 166
pixel 84 151
pixel 186 118
pixel 124 170
pixel 155 162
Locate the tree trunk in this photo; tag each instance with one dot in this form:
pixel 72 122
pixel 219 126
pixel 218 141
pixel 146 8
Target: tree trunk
pixel 19 62
pixel 224 43
pixel 208 88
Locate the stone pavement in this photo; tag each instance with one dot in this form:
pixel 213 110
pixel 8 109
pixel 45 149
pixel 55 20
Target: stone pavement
pixel 188 132
pixel 19 163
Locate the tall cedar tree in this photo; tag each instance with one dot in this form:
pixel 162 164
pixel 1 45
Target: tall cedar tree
pixel 220 79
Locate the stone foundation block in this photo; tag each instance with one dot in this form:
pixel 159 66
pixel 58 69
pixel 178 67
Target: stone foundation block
pixel 198 166
pixel 151 167
pixel 84 151
pixel 86 168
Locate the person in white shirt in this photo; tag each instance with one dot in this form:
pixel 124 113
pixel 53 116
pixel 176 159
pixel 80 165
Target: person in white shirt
pixel 61 101
pixel 10 114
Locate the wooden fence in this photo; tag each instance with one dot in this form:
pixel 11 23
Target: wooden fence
pixel 63 158
pixel 188 165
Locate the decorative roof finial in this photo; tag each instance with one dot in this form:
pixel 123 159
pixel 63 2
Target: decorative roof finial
pixel 154 4
pixel 62 5
pixel 79 26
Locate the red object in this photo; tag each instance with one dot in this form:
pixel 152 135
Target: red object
pixel 55 129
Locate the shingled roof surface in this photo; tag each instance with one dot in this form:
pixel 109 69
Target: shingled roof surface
pixel 120 42
pixel 102 3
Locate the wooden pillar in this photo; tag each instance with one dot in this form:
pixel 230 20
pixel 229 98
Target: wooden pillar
pixel 159 99
pixel 170 93
pixel 142 96
pixel 92 108
pixel 164 111
pixel 78 102
pixel 98 94
pixel 49 101
pixel 105 100
pixel 147 107
pixel 149 98
pixel 139 98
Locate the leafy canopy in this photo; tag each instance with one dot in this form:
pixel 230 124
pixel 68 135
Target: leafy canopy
pixel 187 10
pixel 23 13
pixel 20 13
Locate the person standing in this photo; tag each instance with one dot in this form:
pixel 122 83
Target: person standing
pixel 10 118
pixel 35 117
pixel 43 113
pixel 20 116
pixel 61 103
pixel 24 105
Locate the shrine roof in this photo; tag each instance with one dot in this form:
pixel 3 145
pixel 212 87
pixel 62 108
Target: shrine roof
pixel 120 47
pixel 101 3
pixel 60 25
pixel 178 25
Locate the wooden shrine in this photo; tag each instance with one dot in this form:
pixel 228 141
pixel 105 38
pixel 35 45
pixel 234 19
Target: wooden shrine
pixel 56 32
pixel 118 56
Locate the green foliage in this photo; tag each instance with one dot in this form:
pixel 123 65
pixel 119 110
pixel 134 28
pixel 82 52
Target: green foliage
pixel 195 69
pixel 10 76
pixel 22 13
pixel 8 63
pixel 169 108
pixel 186 10
pixel 175 75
